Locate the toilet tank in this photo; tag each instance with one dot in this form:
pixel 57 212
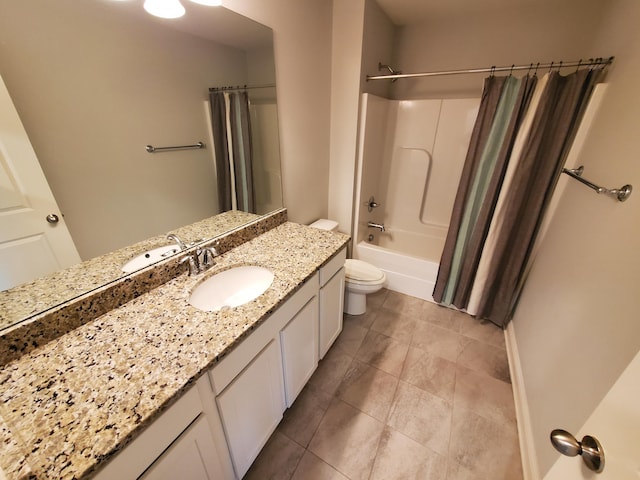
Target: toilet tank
pixel 324 224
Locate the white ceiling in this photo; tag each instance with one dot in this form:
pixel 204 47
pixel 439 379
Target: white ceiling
pixel 407 12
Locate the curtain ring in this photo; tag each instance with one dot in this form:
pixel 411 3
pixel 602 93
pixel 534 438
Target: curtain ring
pixel 511 71
pixel 535 72
pixel 493 70
pixel 559 66
pixel 550 67
pixel 578 67
pixel 530 68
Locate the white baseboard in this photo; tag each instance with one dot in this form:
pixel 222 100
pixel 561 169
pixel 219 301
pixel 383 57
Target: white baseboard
pixel 525 432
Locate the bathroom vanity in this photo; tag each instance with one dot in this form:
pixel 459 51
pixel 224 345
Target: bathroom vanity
pixel 157 388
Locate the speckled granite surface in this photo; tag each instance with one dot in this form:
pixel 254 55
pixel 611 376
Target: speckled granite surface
pixel 74 402
pixel 36 331
pixel 31 298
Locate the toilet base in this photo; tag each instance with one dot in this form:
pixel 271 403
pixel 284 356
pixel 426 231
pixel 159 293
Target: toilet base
pixel 355 303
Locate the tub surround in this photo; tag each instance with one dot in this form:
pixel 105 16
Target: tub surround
pixel 412 173
pixel 22 337
pixel 71 404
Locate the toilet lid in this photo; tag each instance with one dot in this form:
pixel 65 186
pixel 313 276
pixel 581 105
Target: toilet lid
pixel 362 271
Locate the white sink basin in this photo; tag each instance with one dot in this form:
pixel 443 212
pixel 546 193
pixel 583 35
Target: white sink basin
pixel 149 257
pixel 231 288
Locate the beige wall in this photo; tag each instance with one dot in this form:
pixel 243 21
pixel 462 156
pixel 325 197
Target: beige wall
pixel 345 92
pixel 542 32
pixel 362 37
pixel 562 30
pixel 577 323
pixel 92 91
pixel 302 37
pixel 377 47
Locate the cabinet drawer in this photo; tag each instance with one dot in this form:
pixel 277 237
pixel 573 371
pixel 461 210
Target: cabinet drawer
pixel 335 264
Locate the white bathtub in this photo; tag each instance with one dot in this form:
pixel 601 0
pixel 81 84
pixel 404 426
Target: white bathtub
pixel 405 274
pixel 411 154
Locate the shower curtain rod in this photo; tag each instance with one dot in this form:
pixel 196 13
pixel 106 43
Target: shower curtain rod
pixel 580 63
pixel 232 88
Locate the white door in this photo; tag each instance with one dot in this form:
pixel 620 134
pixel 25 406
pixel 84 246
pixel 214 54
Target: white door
pixel 616 425
pixel 30 246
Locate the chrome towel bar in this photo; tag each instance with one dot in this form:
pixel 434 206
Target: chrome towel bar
pixel 152 149
pixel 621 193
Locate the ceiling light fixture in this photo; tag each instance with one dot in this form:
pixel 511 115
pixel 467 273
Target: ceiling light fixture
pixel 173 8
pixel 164 8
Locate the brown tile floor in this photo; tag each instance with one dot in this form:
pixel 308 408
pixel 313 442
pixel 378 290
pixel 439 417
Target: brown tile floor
pixel 410 390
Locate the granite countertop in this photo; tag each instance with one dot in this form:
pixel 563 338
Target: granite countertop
pixel 71 404
pixel 43 293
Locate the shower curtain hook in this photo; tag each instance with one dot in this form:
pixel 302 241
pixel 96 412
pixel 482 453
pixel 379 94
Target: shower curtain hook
pixel 559 66
pixel 550 67
pixel 535 72
pixel 578 67
pixel 493 70
pixel 511 71
pixel 529 70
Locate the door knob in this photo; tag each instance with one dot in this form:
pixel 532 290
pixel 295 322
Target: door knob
pixel 52 218
pixel 589 448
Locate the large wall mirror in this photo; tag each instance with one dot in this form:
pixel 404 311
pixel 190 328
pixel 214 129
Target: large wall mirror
pixel 95 82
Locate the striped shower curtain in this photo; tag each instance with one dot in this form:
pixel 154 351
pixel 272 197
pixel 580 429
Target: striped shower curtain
pixel 522 135
pixel 233 149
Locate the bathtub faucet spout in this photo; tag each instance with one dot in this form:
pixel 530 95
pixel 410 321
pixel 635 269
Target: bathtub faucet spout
pixel 379 226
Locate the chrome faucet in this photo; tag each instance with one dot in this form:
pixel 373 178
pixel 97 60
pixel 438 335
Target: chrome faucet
pixel 200 260
pixel 379 226
pixel 207 257
pixel 175 238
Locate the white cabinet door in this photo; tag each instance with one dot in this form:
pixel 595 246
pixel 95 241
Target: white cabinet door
pixel 252 406
pixel 192 455
pixel 158 437
pixel 299 339
pixel 331 309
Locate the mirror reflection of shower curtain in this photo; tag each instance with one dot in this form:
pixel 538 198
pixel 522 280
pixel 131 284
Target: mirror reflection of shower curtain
pixel 233 149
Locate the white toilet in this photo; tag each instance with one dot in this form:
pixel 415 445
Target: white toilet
pixel 361 278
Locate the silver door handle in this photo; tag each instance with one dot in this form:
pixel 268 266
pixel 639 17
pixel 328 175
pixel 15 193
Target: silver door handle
pixel 52 218
pixel 589 448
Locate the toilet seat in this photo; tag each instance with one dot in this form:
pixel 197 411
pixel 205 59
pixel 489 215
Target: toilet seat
pixel 362 273
pixel 361 278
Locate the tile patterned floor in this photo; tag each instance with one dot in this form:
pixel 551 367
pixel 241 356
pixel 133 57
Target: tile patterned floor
pixel 410 390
